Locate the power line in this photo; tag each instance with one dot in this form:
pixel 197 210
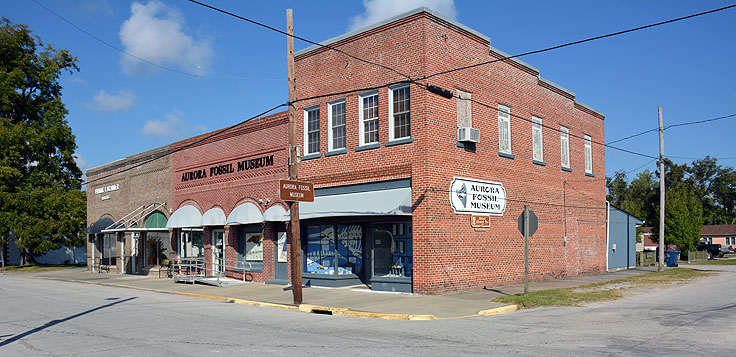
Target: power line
pixel 209 136
pixel 115 47
pixel 674 126
pixel 152 49
pixel 580 41
pixel 560 131
pixel 300 38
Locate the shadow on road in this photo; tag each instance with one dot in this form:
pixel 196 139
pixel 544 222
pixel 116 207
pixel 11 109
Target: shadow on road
pixel 55 322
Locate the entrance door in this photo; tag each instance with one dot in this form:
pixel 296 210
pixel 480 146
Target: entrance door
pixel 281 257
pixel 218 258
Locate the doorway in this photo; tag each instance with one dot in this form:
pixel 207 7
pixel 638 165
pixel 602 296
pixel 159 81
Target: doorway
pixel 280 269
pixel 218 258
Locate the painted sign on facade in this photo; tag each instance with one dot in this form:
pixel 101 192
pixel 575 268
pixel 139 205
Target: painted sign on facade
pixel 471 196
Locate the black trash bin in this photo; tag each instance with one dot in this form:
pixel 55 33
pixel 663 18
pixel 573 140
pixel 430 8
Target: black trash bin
pixel 671 257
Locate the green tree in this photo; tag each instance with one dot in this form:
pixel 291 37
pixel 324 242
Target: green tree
pixel 40 201
pixel 683 217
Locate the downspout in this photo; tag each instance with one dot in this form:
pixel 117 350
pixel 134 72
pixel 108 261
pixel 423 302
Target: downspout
pixel 94 240
pixel 608 230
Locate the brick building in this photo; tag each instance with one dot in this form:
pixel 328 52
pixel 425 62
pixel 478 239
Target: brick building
pixel 399 138
pixel 128 204
pixel 399 171
pixel 226 203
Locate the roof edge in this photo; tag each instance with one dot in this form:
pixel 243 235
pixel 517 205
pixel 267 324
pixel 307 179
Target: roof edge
pixel 557 86
pixel 388 21
pixel 577 102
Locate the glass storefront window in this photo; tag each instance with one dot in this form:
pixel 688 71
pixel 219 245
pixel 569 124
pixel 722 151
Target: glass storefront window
pixel 157 249
pixel 349 249
pixel 325 255
pixel 320 253
pixel 109 249
pixel 249 250
pixel 392 249
pixel 191 244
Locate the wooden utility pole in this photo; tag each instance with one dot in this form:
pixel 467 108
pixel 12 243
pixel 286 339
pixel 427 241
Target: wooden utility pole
pixel 660 267
pixel 295 260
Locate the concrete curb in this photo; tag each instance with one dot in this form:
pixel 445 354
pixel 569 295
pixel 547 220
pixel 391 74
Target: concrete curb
pixel 316 309
pixel 498 310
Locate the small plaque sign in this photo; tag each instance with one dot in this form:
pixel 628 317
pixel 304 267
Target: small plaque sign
pixel 290 190
pixel 480 221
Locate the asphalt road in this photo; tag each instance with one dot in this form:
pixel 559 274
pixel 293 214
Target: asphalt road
pixel 41 318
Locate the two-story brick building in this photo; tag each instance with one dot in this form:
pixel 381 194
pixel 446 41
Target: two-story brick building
pixel 392 169
pixel 400 171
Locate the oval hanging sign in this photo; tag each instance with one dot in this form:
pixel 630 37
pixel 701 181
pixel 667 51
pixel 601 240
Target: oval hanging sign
pixel 471 196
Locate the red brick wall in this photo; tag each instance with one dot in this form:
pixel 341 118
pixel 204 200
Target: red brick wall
pixel 449 255
pixel 256 138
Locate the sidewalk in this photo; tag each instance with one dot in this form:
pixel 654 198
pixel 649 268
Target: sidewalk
pixel 349 301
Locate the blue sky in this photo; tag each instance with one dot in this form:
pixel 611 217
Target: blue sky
pixel 119 105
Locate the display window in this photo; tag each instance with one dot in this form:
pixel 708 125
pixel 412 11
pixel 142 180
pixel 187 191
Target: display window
pixel 191 244
pixel 249 248
pixel 327 255
pixel 157 249
pixel 392 250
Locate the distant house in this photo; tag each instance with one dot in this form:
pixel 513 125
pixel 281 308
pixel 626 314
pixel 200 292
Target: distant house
pixel 723 234
pixel 647 234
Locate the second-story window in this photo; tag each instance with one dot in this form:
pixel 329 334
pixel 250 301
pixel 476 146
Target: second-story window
pixel 537 144
pixel 504 129
pixel 399 112
pixel 369 118
pixel 565 147
pixel 311 130
pixel 337 125
pixel 588 155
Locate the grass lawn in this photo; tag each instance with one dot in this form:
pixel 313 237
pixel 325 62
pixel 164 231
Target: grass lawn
pixel 38 267
pixel 607 291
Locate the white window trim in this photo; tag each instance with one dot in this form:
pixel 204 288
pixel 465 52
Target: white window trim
pixel 330 134
pixel 537 127
pixel 306 128
pixel 564 147
pixel 588 154
pixel 507 123
pixel 391 131
pixel 361 129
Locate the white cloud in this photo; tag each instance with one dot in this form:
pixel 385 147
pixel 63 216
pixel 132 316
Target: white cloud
pixel 105 102
pixel 171 127
pixel 155 32
pixel 82 164
pixel 378 10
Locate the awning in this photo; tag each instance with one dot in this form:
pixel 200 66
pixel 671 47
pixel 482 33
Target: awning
pixel 185 216
pixel 214 216
pixel 245 213
pixel 98 226
pixel 392 202
pixel 275 213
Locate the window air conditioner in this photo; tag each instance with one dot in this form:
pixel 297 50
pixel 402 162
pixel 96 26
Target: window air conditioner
pixel 468 135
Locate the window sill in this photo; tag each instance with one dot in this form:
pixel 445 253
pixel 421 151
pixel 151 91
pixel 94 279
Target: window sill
pixel 506 155
pixel 540 163
pixel 589 174
pixel 336 152
pixel 400 141
pixel 368 147
pixel 315 155
pixel 566 169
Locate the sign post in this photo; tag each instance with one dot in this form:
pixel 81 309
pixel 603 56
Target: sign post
pixel 528 223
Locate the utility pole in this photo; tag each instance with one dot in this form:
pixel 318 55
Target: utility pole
pixel 295 260
pixel 660 267
pixel 526 250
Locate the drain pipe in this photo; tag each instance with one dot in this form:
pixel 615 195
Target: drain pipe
pixel 608 230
